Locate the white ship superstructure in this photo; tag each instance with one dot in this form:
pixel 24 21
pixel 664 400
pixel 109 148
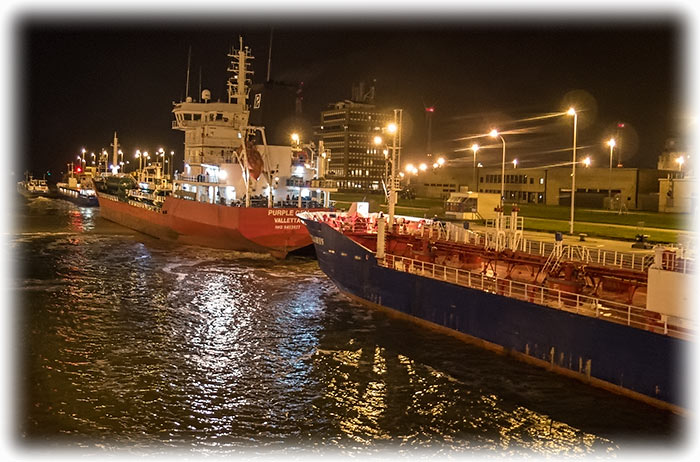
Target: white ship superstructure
pixel 215 139
pixel 228 161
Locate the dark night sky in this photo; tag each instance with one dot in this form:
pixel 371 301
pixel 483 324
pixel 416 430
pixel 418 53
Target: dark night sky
pixel 80 80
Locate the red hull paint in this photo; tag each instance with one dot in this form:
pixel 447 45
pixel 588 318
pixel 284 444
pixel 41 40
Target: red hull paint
pixel 254 229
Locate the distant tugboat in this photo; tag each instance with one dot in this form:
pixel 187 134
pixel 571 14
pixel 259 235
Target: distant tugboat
pixel 32 187
pixel 236 192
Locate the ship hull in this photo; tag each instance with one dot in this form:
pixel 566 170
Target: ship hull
pixel 644 365
pixel 252 229
pixel 73 195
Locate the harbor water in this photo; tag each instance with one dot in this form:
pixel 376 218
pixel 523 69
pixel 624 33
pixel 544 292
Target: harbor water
pixel 127 343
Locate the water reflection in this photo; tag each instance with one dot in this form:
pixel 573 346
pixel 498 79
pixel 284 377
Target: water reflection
pixel 81 219
pixel 134 342
pixel 394 398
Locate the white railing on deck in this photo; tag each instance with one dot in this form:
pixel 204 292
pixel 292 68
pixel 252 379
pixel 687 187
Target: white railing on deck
pixel 144 205
pixel 672 260
pixel 607 310
pixel 454 233
pixel 450 232
pixel 141 195
pixel 628 260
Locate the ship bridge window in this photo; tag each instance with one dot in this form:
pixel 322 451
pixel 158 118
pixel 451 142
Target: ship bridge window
pixel 197 116
pixel 187 116
pixel 219 116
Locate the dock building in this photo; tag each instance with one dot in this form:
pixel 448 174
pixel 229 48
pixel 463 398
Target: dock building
pixel 596 187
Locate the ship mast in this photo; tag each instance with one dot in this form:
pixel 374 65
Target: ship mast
pixel 239 83
pixel 187 84
pixel 238 90
pixel 269 56
pixel 115 152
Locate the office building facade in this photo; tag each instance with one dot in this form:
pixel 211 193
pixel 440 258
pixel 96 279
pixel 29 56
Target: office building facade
pixel 348 130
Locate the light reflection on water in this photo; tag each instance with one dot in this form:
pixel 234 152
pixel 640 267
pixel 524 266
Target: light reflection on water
pixel 135 342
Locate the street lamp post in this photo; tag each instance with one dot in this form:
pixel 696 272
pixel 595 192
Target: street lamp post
pixel 611 143
pixel 161 153
pixel 385 151
pixel 378 141
pixel 573 112
pixel 475 147
pixel 138 155
pixel 494 134
pixel 392 128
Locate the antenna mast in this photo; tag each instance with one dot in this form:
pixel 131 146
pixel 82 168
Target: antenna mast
pixel 239 83
pixel 187 85
pixel 269 56
pixel 115 150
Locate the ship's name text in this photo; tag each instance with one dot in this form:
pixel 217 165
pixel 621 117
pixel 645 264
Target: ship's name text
pixel 282 212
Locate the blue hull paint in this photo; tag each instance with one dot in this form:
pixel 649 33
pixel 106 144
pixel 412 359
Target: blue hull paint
pixel 632 359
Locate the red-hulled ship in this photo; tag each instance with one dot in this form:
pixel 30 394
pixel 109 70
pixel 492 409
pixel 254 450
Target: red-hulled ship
pixel 276 231
pixel 235 192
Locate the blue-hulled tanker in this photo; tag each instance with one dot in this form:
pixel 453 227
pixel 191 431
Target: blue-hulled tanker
pixel 624 348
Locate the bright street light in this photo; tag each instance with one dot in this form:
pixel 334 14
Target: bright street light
pixel 515 163
pixel 573 112
pixel 423 167
pixel 494 134
pixel 611 143
pixel 475 147
pixel 393 129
